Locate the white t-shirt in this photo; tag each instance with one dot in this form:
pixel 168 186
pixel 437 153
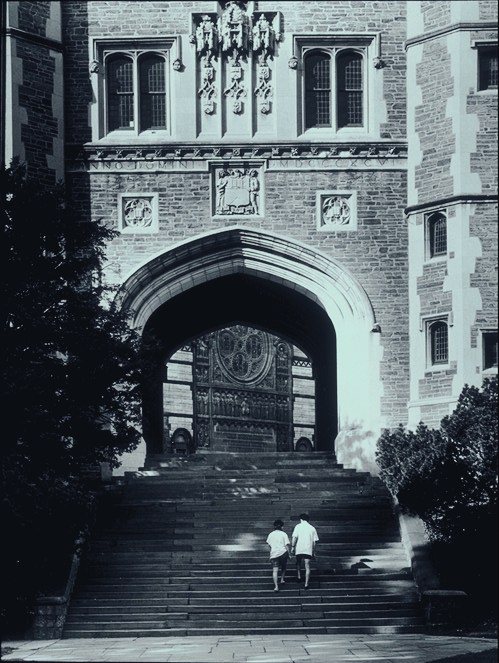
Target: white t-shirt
pixel 306 536
pixel 277 540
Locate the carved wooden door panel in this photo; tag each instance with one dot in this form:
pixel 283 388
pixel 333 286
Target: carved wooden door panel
pixel 243 391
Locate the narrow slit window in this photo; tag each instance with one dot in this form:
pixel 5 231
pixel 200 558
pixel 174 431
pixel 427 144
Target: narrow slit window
pixel 350 89
pixel 318 90
pixel 120 94
pixel 439 340
pixel 437 226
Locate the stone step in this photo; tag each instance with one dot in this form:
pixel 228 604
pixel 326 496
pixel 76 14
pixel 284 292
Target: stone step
pixel 182 551
pixel 164 561
pixel 276 601
pixel 156 587
pixel 248 617
pixel 125 632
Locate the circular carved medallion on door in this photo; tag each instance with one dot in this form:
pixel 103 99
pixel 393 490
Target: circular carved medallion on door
pixel 244 354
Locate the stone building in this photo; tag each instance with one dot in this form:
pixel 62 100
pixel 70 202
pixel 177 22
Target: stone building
pixel 305 194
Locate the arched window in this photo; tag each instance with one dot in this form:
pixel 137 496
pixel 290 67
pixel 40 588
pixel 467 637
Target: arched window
pixel 349 76
pixel 437 228
pixel 152 92
pixel 120 93
pixel 317 90
pixel 439 342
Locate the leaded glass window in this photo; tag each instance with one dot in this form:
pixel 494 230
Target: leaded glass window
pixel 136 91
pixel 318 90
pixel 437 227
pixel 487 68
pixel 350 89
pixel 152 93
pixel 120 93
pixel 439 341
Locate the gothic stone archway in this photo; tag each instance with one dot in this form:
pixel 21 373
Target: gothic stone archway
pixel 240 275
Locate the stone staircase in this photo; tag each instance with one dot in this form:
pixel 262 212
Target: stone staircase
pixel 183 552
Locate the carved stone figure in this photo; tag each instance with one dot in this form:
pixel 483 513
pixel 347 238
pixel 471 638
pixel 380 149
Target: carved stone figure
pixel 237 191
pixel 263 35
pixel 221 187
pixel 254 188
pixel 206 36
pixel 233 29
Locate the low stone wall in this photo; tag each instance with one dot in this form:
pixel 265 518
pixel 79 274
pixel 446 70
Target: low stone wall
pixel 51 611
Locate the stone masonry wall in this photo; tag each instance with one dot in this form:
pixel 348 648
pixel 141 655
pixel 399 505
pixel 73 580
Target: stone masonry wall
pixel 376 253
pixel 484 160
pixel 436 14
pixel 36 90
pixel 487 10
pixel 484 222
pixel 433 179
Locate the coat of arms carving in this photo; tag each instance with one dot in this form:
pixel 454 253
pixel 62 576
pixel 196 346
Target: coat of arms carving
pixel 237 191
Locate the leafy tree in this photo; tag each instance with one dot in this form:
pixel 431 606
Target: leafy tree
pixel 70 375
pixel 448 477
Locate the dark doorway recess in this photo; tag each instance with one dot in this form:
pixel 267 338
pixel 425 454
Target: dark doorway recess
pixel 254 301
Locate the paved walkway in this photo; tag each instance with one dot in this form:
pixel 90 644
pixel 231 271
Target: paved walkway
pixel 260 649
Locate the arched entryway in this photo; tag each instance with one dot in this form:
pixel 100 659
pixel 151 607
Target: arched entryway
pixel 254 301
pixel 240 275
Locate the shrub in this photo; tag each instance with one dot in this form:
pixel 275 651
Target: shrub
pixel 448 477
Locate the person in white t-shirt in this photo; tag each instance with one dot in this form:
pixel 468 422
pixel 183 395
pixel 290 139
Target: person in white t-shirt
pixel 280 552
pixel 303 542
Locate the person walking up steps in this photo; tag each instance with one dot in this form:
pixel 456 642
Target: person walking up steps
pixel 303 542
pixel 280 552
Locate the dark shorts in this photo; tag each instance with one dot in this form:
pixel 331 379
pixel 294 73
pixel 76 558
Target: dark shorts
pixel 281 561
pixel 300 557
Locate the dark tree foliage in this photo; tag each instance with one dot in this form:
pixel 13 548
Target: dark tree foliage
pixel 70 376
pixel 448 477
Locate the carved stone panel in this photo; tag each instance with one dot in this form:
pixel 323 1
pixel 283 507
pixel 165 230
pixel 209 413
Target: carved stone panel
pixel 237 190
pixel 336 210
pixel 138 212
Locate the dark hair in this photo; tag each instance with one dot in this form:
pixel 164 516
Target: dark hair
pixel 278 523
pixel 304 516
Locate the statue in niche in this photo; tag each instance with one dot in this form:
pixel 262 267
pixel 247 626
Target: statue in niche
pixel 233 29
pixel 206 36
pixel 263 35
